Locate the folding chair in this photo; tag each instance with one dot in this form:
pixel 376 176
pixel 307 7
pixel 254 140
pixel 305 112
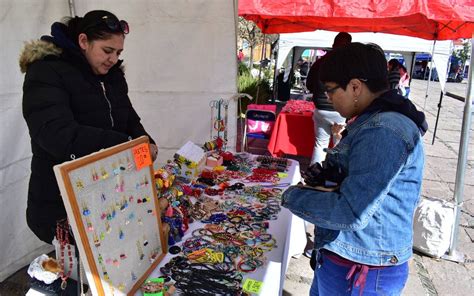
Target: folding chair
pixel 259 122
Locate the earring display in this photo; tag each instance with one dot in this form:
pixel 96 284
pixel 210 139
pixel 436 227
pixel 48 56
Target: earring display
pixel 101 193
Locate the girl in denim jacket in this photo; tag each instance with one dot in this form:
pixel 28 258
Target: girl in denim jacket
pixel 364 222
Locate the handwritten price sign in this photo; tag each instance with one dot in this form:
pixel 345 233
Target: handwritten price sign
pixel 141 154
pixel 252 286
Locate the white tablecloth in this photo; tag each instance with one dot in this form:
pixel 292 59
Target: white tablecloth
pixel 290 234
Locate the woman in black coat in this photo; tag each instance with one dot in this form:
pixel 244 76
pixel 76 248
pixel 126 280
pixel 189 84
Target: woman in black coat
pixel 75 102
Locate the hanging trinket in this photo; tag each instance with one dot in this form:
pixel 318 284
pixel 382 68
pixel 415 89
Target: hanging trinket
pixel 89 225
pixel 129 163
pixel 145 241
pixel 121 166
pixel 141 255
pixel 95 176
pixel 108 229
pixel 134 277
pixel 120 185
pixel 103 173
pixel 124 204
pixel 115 169
pixel 121 234
pixel 96 240
pixel 85 209
pixel 121 287
pixel 79 184
pixel 102 197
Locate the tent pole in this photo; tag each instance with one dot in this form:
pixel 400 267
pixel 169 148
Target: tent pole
pixel 260 68
pixel 72 10
pixel 437 117
pixel 429 74
pixel 275 74
pixel 461 167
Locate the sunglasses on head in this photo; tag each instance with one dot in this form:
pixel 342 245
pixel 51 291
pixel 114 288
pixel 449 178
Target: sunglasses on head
pixel 112 23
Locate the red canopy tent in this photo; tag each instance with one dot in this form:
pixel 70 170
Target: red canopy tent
pixel 428 19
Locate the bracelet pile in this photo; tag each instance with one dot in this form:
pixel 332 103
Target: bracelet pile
pixel 234 237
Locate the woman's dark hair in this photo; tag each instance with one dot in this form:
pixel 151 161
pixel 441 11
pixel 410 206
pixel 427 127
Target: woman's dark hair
pixel 93 24
pixel 361 61
pixel 394 64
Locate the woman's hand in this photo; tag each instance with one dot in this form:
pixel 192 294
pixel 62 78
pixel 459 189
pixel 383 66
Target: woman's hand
pixel 153 151
pixel 336 130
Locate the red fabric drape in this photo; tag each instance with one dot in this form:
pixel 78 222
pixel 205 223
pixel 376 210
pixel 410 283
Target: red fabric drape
pixel 428 19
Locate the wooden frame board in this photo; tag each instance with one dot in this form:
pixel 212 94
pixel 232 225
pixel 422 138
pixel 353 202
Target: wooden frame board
pixel 114 215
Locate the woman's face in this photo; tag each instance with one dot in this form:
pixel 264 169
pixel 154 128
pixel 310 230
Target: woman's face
pixel 345 101
pixel 102 54
pixel 340 99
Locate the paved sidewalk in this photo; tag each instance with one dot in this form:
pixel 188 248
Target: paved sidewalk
pixel 429 276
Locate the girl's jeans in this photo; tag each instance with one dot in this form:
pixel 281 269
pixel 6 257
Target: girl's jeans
pixel 330 280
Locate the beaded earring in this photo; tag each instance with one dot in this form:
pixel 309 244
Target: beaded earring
pixel 89 224
pixel 79 184
pixel 141 255
pixel 85 209
pixel 96 240
pixel 103 173
pixel 95 176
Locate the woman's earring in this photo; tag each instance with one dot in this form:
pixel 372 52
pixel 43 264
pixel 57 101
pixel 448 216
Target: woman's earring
pixel 356 105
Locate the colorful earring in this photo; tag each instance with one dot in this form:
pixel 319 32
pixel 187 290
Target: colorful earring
pixel 79 184
pixel 103 173
pixel 89 224
pixel 85 209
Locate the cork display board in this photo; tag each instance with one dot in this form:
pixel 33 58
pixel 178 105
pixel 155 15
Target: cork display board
pixel 110 199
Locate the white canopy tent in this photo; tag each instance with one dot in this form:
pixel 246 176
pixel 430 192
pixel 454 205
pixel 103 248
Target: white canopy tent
pixel 405 45
pixel 179 56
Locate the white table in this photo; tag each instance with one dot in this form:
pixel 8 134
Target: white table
pixel 290 234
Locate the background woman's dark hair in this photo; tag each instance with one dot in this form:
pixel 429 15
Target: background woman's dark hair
pixel 394 64
pixel 92 25
pixel 356 60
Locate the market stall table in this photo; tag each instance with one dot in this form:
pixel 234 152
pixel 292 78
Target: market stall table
pixel 290 235
pixel 293 134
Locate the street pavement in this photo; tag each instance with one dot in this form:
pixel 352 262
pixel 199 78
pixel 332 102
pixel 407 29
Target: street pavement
pixel 429 276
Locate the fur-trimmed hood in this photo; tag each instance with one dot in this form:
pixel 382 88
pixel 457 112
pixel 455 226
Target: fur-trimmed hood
pixel 36 50
pixel 57 44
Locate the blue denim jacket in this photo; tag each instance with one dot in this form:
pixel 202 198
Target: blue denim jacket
pixel 370 218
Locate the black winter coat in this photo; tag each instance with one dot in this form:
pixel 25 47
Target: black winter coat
pixel 70 112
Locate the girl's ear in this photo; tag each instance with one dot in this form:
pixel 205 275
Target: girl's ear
pixel 83 41
pixel 356 86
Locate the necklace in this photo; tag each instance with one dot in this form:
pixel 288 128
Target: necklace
pixel 62 235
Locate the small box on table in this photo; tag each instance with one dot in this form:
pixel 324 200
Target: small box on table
pixel 191 160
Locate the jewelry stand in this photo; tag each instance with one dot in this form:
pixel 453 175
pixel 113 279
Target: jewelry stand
pixel 218 123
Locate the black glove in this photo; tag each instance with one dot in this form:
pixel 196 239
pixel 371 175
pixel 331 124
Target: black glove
pixel 314 175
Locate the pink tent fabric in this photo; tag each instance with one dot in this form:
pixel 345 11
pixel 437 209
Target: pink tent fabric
pixel 428 19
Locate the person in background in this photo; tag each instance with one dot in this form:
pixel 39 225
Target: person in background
pixel 324 116
pixel 364 200
pixel 75 102
pixel 394 75
pixel 240 55
pixel 404 81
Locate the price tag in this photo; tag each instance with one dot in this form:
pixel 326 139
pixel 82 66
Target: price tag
pixel 282 175
pixel 141 154
pixel 252 286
